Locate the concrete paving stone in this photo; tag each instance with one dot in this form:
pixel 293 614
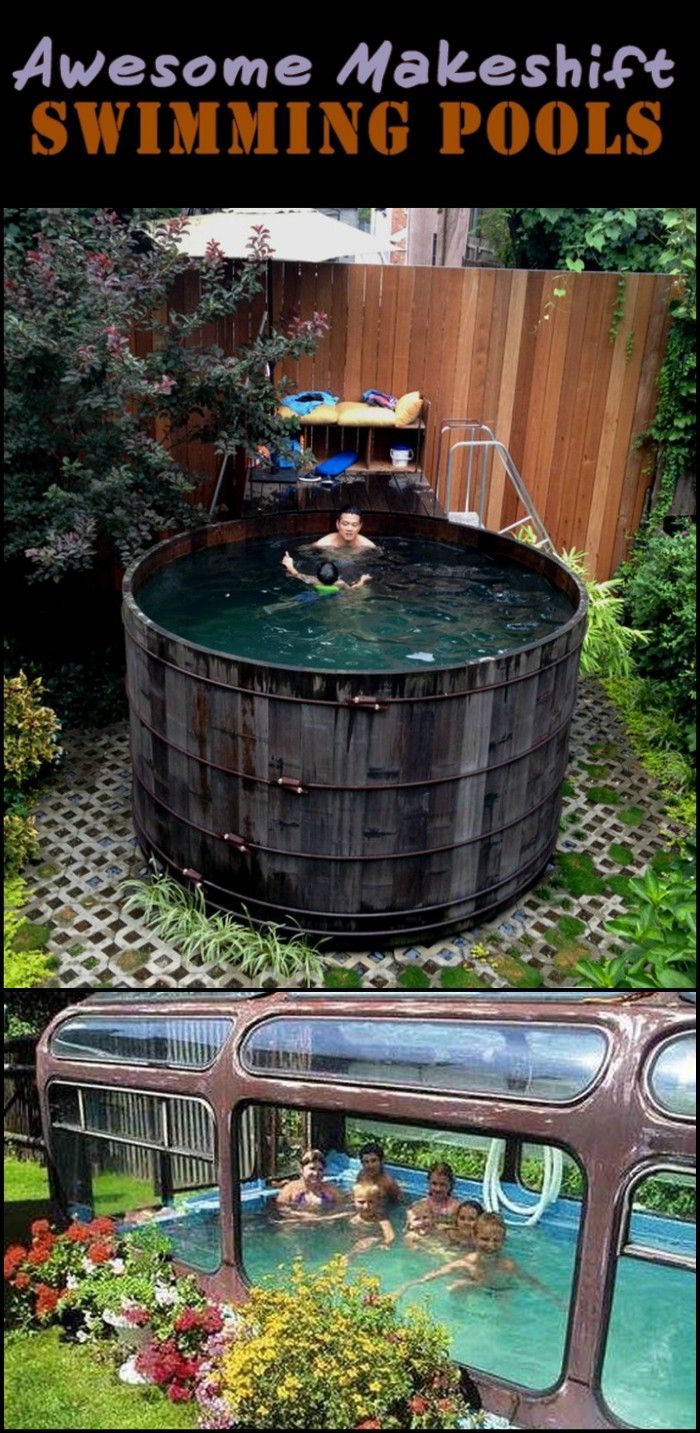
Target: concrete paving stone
pixel 88 845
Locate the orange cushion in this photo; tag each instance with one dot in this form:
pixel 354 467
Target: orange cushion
pixel 408 409
pixel 365 415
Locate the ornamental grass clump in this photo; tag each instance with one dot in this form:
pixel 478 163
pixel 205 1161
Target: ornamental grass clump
pixel 180 916
pixel 330 1352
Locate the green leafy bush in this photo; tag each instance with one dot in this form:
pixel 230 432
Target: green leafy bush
pixel 21 840
pixel 608 644
pixel 101 367
pixel 22 968
pixel 660 594
pixel 658 739
pixel 31 730
pixel 658 930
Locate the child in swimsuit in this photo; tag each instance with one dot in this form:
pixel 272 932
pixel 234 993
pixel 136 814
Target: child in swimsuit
pixel 440 1201
pixel 369 1219
pixel 485 1265
pixel 373 1172
pixel 326 580
pixel 462 1231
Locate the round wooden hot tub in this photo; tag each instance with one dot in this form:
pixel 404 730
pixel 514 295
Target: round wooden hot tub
pixel 369 807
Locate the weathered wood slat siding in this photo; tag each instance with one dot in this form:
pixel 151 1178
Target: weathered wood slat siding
pixel 420 816
pixel 494 345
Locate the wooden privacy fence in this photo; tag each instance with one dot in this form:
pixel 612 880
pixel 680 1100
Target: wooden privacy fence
pixel 563 368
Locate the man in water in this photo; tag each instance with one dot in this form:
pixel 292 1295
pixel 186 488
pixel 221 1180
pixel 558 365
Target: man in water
pixel 347 536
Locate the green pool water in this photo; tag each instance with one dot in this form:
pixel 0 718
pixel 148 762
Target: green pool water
pixel 428 604
pixel 518 1333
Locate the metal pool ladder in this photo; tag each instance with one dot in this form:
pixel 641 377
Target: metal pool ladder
pixel 483 447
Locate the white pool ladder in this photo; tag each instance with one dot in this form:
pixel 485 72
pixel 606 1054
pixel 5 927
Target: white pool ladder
pixel 482 448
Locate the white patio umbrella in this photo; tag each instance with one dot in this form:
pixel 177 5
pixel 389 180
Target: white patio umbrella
pixel 297 235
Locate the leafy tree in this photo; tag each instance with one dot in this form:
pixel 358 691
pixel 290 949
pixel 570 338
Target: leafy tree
pixel 101 371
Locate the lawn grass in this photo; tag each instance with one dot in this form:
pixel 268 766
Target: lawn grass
pixel 24 1179
pixel 50 1383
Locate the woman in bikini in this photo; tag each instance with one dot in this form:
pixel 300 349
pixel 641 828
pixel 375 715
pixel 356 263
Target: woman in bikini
pixel 311 1196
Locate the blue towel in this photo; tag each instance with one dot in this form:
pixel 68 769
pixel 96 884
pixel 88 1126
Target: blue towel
pixel 335 465
pixel 306 402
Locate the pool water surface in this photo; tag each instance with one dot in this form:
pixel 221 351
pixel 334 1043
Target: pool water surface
pixel 428 603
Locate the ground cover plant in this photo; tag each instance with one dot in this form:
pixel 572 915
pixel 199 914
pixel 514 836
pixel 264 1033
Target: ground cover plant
pixel 181 916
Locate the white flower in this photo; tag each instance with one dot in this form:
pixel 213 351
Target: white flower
pixel 164 1295
pixel 116 1321
pixel 82 1336
pixel 72 1282
pixel 117 1265
pixel 128 1372
pixel 88 1265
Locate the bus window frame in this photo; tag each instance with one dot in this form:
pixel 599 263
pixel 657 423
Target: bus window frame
pixel 645 1252
pixel 518 1098
pixel 635 1177
pixel 649 1066
pixel 251 1102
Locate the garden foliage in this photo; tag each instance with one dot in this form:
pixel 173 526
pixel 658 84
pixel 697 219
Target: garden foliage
pixel 102 1285
pixel 658 931
pixel 105 379
pixel 31 732
pixel 660 595
pixel 181 916
pixel 331 1352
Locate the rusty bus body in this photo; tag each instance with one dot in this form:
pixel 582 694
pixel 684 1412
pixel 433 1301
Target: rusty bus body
pixel 616 1126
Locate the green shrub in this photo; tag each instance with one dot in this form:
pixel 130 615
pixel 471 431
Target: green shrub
pixel 659 594
pixel 21 840
pixel 608 644
pixel 22 968
pixel 657 737
pixel 657 929
pixel 31 730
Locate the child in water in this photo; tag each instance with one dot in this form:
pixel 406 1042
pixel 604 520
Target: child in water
pixel 326 580
pixel 486 1265
pixel 420 1230
pixel 369 1218
pixel 462 1231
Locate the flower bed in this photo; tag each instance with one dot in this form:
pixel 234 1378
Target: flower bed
pixel 104 1286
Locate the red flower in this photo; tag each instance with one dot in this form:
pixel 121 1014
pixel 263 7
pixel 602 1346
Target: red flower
pixel 14 1256
pixel 418 1404
pixel 99 1253
pixel 446 1405
pixel 38 1255
pixel 21 1281
pixel 179 1393
pixel 40 1226
pixel 46 1299
pixel 212 1322
pixel 138 1316
pixel 188 1319
pixel 102 1225
pixel 369 1423
pixel 78 1233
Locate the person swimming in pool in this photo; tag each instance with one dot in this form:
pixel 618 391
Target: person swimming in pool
pixel 326 581
pixel 485 1265
pixel 369 1220
pixel 440 1200
pixel 347 535
pixel 461 1232
pixel 373 1172
pixel 311 1196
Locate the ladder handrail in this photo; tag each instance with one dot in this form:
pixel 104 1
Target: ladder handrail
pixel 489 445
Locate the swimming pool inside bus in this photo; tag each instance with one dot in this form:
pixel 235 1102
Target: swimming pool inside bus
pixel 428 602
pixel 516 1333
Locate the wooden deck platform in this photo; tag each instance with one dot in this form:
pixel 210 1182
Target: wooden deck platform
pixel 367 491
